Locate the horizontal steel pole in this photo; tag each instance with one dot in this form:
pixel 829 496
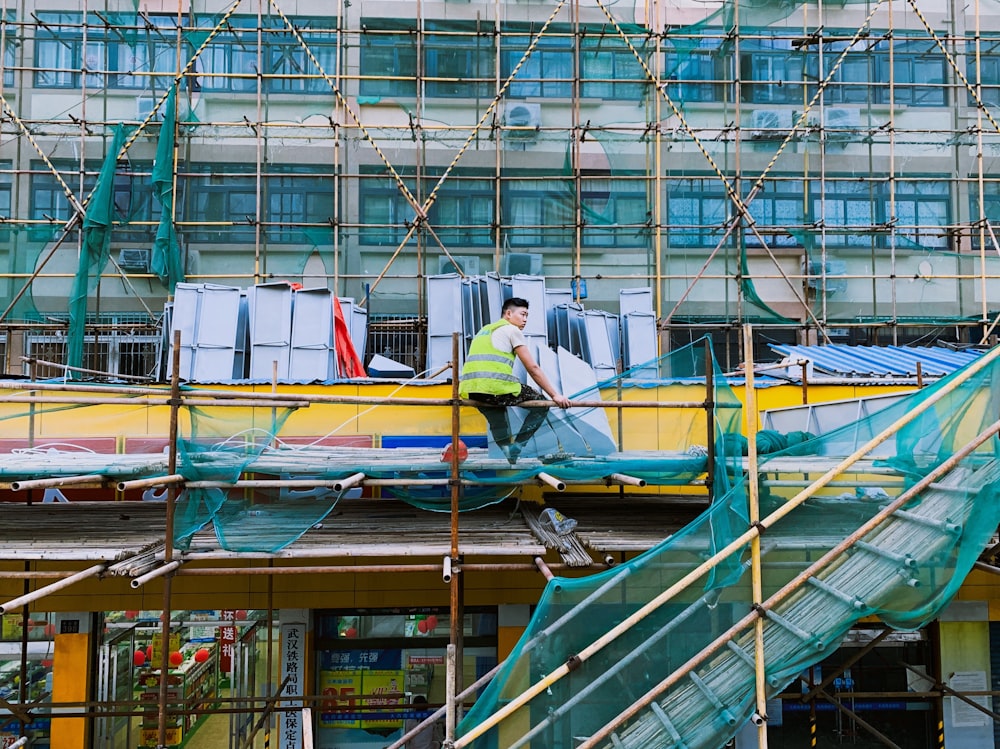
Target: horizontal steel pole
pixel 173 478
pixel 92 479
pixel 158 572
pixel 24 600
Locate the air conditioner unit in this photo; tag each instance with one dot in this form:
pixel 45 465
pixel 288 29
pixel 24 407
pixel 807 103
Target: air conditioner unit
pixel 770 124
pixel 143 106
pixel 843 118
pixel 467 265
pixel 134 260
pixel 522 264
pixel 523 120
pixel 820 274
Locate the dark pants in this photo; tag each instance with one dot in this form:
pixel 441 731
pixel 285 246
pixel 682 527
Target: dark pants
pixel 494 408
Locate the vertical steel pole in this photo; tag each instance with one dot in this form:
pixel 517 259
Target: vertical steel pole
pixel 710 418
pixel 754 506
pixel 168 540
pixel 455 609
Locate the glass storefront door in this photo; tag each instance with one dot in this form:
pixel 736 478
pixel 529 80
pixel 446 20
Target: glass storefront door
pixel 377 670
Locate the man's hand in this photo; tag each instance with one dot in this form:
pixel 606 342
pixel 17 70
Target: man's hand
pixel 561 400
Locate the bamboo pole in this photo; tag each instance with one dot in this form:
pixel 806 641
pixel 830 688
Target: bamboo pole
pixel 90 480
pixel 792 586
pixel 168 535
pixel 550 480
pixel 453 578
pixel 736 545
pixel 753 496
pixel 622 478
pixel 165 569
pixel 344 484
pixel 46 590
pixel 173 478
pixel 363 569
pixel 296 400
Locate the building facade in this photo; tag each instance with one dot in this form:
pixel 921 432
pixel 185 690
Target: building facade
pixel 824 170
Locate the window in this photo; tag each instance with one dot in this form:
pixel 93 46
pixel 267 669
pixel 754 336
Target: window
pixel 221 203
pixel 11 44
pixel 538 213
pixel 991 211
pixel 697 209
pixel 989 64
pixel 462 215
pixel 609 68
pixel 220 200
pixel 615 211
pixel 777 210
pixel 460 60
pixel 388 58
pixel 854 212
pixel 135 212
pixel 788 71
pixel 230 62
pixel 696 70
pixel 6 184
pixel 134 53
pixel 772 71
pixel 297 200
pixel 48 199
pixel 385 213
pixel 548 70
pixel 140 52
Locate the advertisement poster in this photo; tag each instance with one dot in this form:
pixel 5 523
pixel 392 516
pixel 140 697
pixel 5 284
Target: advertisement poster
pixel 347 675
pixel 385 690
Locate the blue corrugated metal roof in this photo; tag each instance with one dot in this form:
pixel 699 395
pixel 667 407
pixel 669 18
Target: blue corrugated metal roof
pixel 879 361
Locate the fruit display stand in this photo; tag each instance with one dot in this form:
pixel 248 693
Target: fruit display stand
pixel 192 684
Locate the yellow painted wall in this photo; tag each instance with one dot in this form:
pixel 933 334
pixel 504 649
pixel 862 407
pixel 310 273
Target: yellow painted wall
pixel 70 680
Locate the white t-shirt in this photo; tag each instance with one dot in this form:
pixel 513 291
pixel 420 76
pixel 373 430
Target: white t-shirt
pixel 508 337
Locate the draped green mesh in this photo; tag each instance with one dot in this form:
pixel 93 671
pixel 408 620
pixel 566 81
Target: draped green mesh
pixel 221 444
pixel 747 160
pixel 903 571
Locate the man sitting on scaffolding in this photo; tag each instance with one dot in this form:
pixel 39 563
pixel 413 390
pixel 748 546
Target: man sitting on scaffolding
pixel 488 378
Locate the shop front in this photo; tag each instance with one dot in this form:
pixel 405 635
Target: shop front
pixel 377 670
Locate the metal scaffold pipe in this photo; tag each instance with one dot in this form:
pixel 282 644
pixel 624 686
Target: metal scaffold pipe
pixel 24 600
pixel 153 574
pixel 734 546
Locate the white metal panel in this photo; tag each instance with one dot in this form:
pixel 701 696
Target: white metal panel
pixel 494 298
pixel 312 353
pixel 218 322
pixel 635 300
pixel 532 289
pixel 639 344
pixel 270 307
pixel 554 298
pixel 444 317
pixel 357 324
pixel 184 317
pixel 603 358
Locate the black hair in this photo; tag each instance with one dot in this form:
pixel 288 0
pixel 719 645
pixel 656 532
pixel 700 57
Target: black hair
pixel 514 301
pixel 419 699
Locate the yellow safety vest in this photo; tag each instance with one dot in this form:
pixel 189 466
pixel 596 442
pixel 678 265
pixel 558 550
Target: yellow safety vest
pixel 487 369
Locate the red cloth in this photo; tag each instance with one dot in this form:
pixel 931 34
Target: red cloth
pixel 348 362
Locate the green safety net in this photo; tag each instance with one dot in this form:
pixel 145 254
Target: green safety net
pixel 637 624
pixel 771 201
pixel 96 247
pixel 221 444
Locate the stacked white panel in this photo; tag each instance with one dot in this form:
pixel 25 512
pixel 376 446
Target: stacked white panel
pixel 312 352
pixel 270 307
